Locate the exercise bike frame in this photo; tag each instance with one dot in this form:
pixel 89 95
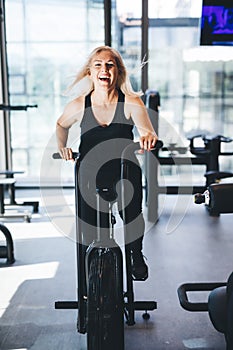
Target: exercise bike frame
pixel 83 259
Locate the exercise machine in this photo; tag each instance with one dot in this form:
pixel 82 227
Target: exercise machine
pixel 102 302
pixel 218 199
pixel 219 305
pixel 209 154
pixel 8 181
pixel 7 251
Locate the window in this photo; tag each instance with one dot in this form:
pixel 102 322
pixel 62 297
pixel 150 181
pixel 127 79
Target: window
pixel 48 40
pixel 46 44
pixel 194 82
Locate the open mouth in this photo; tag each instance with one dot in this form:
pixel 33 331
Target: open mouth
pixel 106 79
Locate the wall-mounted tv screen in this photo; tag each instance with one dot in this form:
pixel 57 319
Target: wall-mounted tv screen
pixel 217 22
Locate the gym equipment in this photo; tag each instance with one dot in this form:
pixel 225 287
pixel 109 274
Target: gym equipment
pixel 207 155
pixel 175 155
pixel 7 251
pixel 102 302
pixel 4 107
pixel 218 198
pixel 219 305
pixel 210 155
pixel 9 181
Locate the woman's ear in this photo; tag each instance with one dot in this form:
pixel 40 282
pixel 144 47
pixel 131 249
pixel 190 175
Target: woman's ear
pixel 89 76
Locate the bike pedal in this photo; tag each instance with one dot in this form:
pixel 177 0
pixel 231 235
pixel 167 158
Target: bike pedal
pixel 140 279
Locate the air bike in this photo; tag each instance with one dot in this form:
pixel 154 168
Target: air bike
pixel 103 302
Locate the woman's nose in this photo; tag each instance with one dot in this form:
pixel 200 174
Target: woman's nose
pixel 104 68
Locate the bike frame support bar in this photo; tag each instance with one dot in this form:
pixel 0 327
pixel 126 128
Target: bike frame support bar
pixel 141 305
pixel 66 305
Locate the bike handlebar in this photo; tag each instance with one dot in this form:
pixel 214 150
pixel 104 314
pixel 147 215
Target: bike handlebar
pixel 16 108
pixel 133 147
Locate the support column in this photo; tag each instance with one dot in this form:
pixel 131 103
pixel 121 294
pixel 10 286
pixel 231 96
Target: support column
pixel 108 22
pixel 5 155
pixel 144 45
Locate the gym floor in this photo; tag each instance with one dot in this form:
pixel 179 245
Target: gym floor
pixel 186 245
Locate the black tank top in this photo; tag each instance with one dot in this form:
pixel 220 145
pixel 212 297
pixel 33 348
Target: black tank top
pixel 101 146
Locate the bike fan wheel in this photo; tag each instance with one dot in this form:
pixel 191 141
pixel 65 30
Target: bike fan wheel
pixel 105 304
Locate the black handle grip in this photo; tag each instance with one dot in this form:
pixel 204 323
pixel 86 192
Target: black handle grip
pixel 58 156
pixel 135 146
pixel 159 144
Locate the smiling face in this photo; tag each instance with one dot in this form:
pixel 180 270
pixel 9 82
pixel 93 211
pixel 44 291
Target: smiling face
pixel 104 70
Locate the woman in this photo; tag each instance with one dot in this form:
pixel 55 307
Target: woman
pixel 107 111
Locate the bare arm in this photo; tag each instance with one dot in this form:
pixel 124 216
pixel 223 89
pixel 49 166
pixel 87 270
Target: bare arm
pixel 73 113
pixel 136 109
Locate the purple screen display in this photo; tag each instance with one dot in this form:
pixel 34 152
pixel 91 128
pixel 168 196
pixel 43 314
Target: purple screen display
pixel 217 25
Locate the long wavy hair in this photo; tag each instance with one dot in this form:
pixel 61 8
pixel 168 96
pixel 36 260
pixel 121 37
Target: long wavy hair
pixel 82 85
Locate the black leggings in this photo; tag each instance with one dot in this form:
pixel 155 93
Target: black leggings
pixel 109 177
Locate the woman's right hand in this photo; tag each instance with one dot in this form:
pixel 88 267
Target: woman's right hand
pixel 66 153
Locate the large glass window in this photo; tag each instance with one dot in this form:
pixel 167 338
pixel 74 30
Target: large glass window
pixel 46 43
pixel 128 38
pixel 194 82
pixel 48 40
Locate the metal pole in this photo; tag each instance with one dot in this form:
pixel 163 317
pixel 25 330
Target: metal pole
pixel 5 88
pixel 144 45
pixel 108 22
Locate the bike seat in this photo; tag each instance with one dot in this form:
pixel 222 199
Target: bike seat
pixel 217 175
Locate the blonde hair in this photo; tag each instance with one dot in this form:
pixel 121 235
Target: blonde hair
pixel 82 85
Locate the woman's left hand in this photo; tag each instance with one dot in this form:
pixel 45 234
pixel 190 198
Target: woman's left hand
pixel 148 142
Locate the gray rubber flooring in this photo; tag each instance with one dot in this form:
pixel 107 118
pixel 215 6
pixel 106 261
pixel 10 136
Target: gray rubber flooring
pixel 186 245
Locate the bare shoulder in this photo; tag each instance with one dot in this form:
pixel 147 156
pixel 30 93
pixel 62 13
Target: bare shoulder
pixel 74 108
pixel 134 106
pixel 73 112
pixel 133 100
